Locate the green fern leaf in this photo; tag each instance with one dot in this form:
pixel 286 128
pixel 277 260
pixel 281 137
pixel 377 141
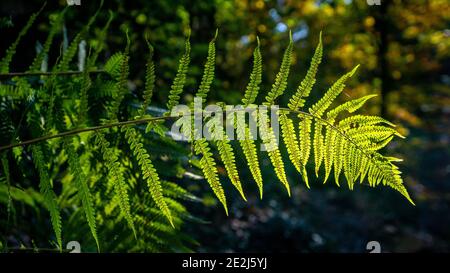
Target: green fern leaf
pixel 113 65
pixel 208 166
pixel 68 55
pixel 101 37
pixel 111 160
pixel 304 89
pixel 290 140
pixel 271 145
pixel 318 146
pixel 180 78
pixel 148 171
pixel 329 144
pixel 349 106
pixel 251 92
pixel 280 83
pixel 305 145
pixel 228 158
pixel 82 186
pixel 249 149
pixel 7 174
pixel 47 192
pixel 55 26
pixel 267 134
pixel 121 87
pixel 149 81
pixel 4 63
pixel 322 105
pixel 208 71
pixel 201 147
pixel 86 84
pixel 245 137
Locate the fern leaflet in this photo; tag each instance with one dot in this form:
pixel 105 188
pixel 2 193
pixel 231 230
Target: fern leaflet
pixel 82 186
pixel 47 192
pixel 116 174
pixel 148 171
pixel 4 63
pixel 180 78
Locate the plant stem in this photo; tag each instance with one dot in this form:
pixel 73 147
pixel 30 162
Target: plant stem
pixel 82 130
pixel 59 73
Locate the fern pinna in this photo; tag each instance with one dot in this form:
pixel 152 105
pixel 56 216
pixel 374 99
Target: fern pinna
pixel 106 165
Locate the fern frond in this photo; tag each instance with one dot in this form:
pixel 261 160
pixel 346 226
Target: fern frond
pixel 304 89
pixel 215 128
pixel 249 149
pixel 318 146
pixel 111 161
pixel 82 187
pixel 121 87
pixel 46 188
pixel 202 148
pixel 355 141
pixel 70 52
pixel 290 140
pixel 227 155
pixel 104 89
pixel 245 137
pixel 271 145
pixel 86 84
pixel 305 145
pixel 101 36
pixel 149 81
pixel 54 28
pixel 7 174
pixel 267 134
pixel 113 65
pixel 208 71
pixel 329 148
pixel 280 83
pixel 359 120
pixel 349 106
pixel 18 91
pixel 148 171
pixel 251 92
pixel 208 166
pixel 5 61
pixel 322 105
pixel 178 83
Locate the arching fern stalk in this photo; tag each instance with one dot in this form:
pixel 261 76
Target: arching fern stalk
pixel 348 146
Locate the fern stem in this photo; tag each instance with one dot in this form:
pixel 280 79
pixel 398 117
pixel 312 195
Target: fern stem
pixel 82 130
pixel 145 120
pixel 51 73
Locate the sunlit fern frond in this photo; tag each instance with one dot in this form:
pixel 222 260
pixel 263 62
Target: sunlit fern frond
pixel 280 83
pixel 243 132
pixel 208 70
pixel 148 170
pixel 209 168
pixel 267 133
pixel 180 78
